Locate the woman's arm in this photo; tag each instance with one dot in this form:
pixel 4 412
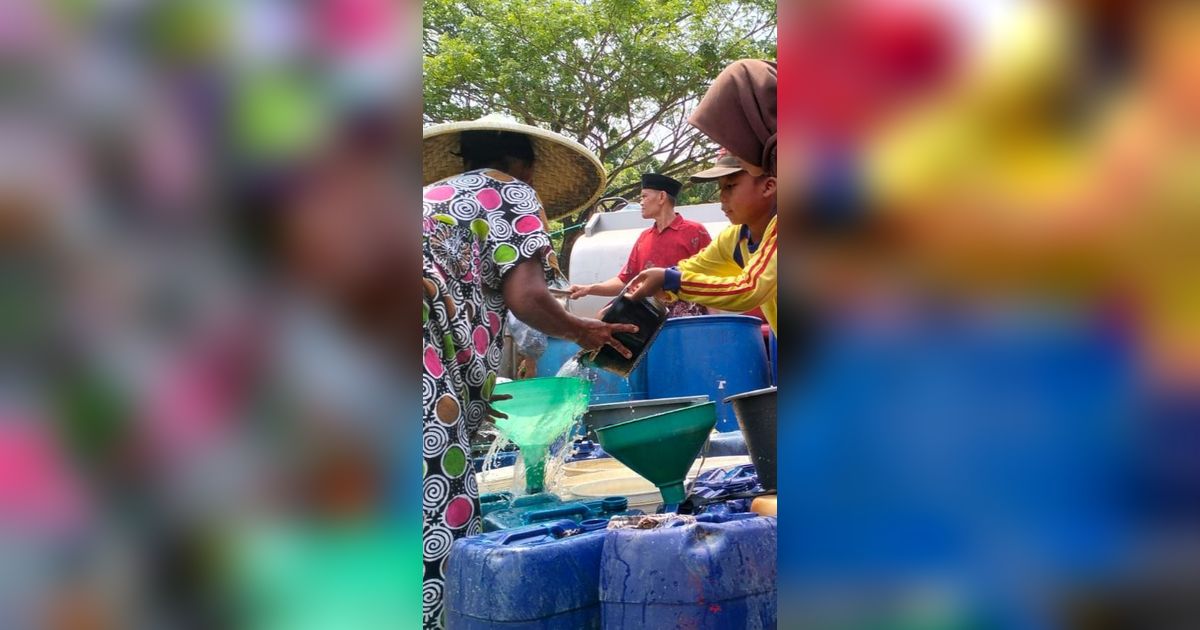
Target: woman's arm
pixel 530 300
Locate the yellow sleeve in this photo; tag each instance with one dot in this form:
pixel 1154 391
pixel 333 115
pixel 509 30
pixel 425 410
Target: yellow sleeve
pixel 716 257
pixel 751 288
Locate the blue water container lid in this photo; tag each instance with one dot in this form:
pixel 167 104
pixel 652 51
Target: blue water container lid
pixel 614 504
pixel 593 524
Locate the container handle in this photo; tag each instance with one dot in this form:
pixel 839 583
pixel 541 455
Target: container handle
pixel 624 290
pixel 563 511
pixel 495 497
pixel 533 499
pixel 555 529
pixel 710 517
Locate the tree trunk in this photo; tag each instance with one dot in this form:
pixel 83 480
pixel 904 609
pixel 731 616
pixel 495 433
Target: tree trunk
pixel 568 238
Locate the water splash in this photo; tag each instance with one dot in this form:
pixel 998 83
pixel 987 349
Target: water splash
pixel 556 462
pixel 545 414
pixel 555 467
pixel 499 444
pixel 517 487
pixel 577 368
pixel 561 450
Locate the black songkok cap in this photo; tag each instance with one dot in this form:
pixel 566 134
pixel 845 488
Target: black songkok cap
pixel 654 181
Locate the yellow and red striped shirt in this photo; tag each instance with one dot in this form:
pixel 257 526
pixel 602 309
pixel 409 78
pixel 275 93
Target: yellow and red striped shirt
pixel 714 277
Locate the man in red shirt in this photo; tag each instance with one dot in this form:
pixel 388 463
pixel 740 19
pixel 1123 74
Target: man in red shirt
pixel 671 239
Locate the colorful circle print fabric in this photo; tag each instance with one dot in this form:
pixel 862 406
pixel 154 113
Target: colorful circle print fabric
pixel 477 226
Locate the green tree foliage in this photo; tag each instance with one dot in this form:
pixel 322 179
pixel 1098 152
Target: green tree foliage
pixel 619 76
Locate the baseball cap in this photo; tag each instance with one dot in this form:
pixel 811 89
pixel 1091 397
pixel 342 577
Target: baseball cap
pixel 727 164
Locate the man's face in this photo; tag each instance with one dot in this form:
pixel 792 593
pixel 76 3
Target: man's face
pixel 746 198
pixel 652 202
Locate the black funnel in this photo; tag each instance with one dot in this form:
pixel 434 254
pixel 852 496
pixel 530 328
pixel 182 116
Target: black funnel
pixel 756 415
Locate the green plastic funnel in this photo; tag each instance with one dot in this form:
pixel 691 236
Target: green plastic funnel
pixel 663 446
pixel 540 410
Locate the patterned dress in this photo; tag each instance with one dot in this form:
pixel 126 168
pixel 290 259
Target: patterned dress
pixel 477 227
pixel 680 308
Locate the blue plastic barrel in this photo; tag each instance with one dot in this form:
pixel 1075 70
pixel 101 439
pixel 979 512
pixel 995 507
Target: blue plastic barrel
pixel 705 575
pixel 964 430
pixel 717 355
pixel 543 577
pixel 586 449
pixel 558 352
pixel 608 387
pixel 730 444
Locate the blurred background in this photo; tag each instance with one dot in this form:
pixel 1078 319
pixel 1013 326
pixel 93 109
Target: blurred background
pixel 993 416
pixel 202 383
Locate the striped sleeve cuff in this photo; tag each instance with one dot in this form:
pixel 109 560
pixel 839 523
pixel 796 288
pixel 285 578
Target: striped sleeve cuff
pixel 672 279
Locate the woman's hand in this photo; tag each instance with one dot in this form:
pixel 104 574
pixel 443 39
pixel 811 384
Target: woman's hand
pixel 581 291
pixel 594 334
pixel 526 294
pixel 494 413
pixel 647 283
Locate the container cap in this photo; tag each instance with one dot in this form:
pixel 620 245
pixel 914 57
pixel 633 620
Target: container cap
pixel 614 504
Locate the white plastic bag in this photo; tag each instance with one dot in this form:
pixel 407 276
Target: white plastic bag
pixel 527 342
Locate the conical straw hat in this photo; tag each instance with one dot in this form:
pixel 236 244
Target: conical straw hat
pixel 566 175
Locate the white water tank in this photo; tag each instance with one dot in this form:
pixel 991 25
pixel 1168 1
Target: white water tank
pixel 607 239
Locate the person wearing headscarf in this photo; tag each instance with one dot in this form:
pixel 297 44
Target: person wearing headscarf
pixel 738 113
pixel 490 187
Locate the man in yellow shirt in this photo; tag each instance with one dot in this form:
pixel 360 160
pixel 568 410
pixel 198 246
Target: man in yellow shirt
pixel 737 271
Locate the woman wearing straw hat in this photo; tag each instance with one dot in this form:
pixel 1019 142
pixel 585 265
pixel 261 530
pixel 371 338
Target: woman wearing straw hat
pixel 490 187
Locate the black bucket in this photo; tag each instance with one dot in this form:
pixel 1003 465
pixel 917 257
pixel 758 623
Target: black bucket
pixel 756 415
pixel 598 416
pixel 648 315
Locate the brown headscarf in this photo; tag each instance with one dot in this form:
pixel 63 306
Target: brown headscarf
pixel 738 112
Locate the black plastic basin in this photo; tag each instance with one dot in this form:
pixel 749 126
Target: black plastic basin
pixel 756 415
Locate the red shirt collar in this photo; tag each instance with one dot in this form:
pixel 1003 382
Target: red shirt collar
pixel 676 224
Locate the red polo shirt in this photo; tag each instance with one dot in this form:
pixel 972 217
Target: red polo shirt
pixel 681 239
